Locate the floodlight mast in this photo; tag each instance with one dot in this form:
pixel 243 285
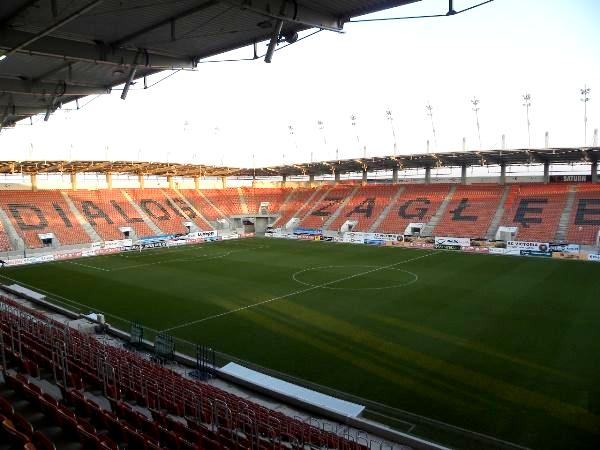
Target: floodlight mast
pixel 475 103
pixel 585 98
pixel 430 114
pixel 391 119
pixel 527 105
pixel 354 125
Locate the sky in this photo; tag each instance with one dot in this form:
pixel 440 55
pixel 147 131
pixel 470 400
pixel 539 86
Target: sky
pixel 239 114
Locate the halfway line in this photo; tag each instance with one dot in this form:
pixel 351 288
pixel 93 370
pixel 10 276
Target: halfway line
pixel 301 291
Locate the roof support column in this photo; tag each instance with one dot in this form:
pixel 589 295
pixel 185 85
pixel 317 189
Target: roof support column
pixel 283 180
pixel 253 180
pixel 74 181
pixel 224 182
pixel 427 175
pixel 395 175
pixel 311 179
pixel 170 181
pixel 109 181
pixel 337 175
pixel 546 172
pixel 365 176
pixel 503 173
pixel 196 183
pixel 463 174
pixel 595 171
pixel 33 181
pixel 141 180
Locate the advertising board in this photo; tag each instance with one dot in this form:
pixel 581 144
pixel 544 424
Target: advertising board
pixel 447 247
pixel 453 241
pixel 536 253
pixel 593 257
pixel 565 248
pixel 524 245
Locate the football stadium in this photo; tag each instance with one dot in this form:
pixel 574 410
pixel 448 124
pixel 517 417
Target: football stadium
pixel 403 300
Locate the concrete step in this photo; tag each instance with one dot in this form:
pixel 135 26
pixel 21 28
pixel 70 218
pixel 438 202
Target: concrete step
pixel 243 201
pixel 386 210
pixel 16 241
pixel 90 231
pixel 428 229
pixel 143 215
pixel 491 233
pixel 563 223
pixel 198 213
pixel 340 208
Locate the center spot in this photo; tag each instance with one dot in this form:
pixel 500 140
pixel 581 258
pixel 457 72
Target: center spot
pixel 355 277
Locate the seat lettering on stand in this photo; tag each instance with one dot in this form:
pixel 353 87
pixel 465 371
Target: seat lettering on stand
pixel 525 208
pixel 92 211
pixel 419 213
pixel 148 204
pixel 123 214
pixel 41 222
pixel 585 214
pixel 365 208
pixel 63 215
pixel 457 213
pixel 325 211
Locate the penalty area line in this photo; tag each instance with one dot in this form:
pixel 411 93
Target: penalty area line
pixel 291 294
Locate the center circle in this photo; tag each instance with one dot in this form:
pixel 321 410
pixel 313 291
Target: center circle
pixel 327 277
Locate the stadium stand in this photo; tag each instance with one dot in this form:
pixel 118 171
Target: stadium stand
pixel 470 212
pixel 535 209
pixel 227 200
pixel 202 204
pixel 4 241
pixel 110 398
pixel 296 205
pixel 365 206
pixel 255 196
pixel 326 206
pixel 417 204
pixel 41 212
pixel 107 211
pixel 167 212
pixel 584 223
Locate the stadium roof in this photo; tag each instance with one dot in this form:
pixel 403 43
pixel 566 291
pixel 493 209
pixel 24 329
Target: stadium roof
pixel 415 161
pixel 56 51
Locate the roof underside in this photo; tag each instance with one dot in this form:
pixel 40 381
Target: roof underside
pixel 404 162
pixel 58 51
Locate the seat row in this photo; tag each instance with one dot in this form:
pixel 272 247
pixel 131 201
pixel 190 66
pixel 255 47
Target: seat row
pixel 213 418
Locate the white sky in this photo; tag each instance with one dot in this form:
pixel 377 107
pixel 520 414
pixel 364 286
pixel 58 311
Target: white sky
pixel 549 48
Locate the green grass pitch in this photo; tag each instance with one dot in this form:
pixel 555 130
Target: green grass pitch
pixel 501 345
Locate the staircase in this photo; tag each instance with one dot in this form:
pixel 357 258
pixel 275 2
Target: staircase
pixel 198 213
pixel 89 230
pixel 317 203
pixel 223 215
pixel 340 208
pixel 491 233
pixel 143 215
pixel 428 229
pixel 16 241
pixel 283 205
pixel 243 203
pixel 563 224
pixel 386 210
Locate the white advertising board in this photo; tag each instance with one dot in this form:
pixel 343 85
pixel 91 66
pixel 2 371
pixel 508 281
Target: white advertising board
pixel 595 258
pixel 524 245
pixel 461 242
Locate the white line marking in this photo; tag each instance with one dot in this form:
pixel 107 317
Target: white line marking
pixel 414 279
pixel 86 265
pixel 291 294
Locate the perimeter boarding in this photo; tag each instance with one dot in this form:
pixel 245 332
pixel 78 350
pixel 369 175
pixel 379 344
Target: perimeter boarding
pixel 513 248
